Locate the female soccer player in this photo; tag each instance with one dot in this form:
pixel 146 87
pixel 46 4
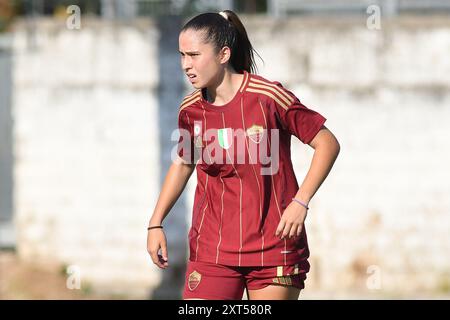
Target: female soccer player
pixel 248 217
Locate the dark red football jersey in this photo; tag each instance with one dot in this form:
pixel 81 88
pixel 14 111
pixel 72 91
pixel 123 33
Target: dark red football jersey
pixel 245 177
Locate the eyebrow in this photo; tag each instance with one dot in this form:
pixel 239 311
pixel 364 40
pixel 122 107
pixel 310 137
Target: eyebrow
pixel 189 52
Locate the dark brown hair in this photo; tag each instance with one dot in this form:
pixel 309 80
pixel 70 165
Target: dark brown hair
pixel 229 32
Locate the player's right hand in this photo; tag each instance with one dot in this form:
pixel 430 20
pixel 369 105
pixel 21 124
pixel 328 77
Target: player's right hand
pixel 156 240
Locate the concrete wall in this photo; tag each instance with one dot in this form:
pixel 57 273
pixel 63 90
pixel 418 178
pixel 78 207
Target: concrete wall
pixel 6 154
pixel 87 150
pixel 383 213
pixel 87 161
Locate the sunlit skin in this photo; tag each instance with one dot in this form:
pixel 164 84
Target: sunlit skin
pixel 211 69
pixel 213 72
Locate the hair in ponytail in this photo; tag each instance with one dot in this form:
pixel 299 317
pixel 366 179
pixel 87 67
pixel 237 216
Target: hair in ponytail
pixel 226 29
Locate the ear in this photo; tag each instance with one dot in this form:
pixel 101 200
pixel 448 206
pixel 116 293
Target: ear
pixel 224 55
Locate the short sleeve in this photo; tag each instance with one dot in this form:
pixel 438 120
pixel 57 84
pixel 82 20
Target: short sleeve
pixel 185 147
pixel 299 120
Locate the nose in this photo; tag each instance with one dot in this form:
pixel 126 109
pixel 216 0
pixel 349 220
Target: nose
pixel 186 63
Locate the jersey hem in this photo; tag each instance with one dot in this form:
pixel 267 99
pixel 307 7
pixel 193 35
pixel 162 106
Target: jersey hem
pixel 270 263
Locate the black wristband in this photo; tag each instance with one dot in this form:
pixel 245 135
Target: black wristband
pixel 154 227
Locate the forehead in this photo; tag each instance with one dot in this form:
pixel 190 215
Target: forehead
pixel 192 39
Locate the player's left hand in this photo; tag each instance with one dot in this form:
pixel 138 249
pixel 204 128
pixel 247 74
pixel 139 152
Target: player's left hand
pixel 291 223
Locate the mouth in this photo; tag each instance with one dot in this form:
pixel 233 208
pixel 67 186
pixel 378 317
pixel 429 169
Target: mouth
pixel 192 77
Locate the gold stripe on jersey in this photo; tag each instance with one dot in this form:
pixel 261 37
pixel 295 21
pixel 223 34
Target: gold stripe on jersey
pixel 279 271
pixel 279 89
pixel 221 219
pixel 240 196
pixel 189 120
pixel 188 101
pixel 191 95
pixel 296 269
pixel 273 90
pixel 257 181
pixel 273 184
pixel 246 76
pixel 201 222
pixel 206 127
pixel 270 95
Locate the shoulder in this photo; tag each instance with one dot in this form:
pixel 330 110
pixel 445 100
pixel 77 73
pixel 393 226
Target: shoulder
pixel 190 100
pixel 272 90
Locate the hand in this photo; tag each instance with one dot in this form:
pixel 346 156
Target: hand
pixel 291 223
pixel 156 240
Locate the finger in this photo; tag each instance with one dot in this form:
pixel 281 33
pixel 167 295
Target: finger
pixel 162 262
pixel 293 231
pixel 164 253
pixel 280 228
pixel 155 258
pixel 286 229
pixel 299 230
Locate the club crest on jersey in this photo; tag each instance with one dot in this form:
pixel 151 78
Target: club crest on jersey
pixel 255 133
pixel 225 137
pixel 194 280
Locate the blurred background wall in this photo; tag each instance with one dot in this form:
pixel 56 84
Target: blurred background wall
pixel 88 113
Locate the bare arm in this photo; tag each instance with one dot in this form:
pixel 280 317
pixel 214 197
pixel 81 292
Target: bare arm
pixel 174 184
pixel 326 149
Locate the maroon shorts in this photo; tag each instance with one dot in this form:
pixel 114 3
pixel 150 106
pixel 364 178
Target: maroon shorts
pixel 218 282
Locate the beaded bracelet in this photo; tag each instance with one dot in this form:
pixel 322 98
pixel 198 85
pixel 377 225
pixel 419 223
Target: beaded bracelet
pixel 154 227
pixel 301 203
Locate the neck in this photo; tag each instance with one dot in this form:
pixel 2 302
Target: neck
pixel 225 88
